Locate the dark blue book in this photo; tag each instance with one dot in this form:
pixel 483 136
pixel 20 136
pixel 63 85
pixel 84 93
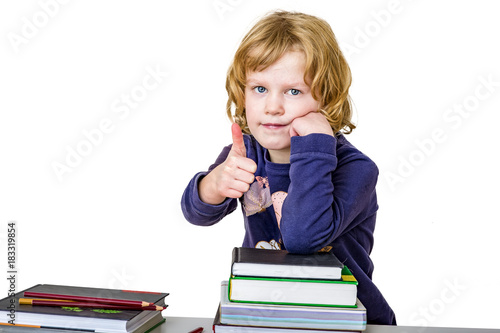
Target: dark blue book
pixel 84 319
pixel 253 262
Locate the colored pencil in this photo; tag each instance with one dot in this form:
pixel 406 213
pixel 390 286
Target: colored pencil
pixel 21 325
pixel 46 299
pixel 45 302
pixel 88 299
pixel 49 327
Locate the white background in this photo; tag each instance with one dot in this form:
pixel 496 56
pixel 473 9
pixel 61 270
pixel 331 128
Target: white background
pixel 113 218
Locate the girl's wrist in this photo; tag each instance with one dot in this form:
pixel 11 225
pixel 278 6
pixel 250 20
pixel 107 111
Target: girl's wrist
pixel 207 192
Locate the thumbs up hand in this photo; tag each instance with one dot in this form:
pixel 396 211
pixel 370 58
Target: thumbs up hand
pixel 238 148
pixel 233 177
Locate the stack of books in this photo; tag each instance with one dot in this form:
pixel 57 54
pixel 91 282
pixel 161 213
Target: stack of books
pixel 279 292
pixel 83 309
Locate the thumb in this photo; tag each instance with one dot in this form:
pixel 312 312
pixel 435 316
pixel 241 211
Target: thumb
pixel 238 143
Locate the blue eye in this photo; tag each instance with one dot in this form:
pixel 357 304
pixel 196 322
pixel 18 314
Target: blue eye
pixel 260 89
pixel 294 92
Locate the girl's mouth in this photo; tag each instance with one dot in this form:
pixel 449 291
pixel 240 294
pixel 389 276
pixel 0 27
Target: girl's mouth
pixel 273 126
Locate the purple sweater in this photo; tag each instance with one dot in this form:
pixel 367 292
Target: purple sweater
pixel 324 197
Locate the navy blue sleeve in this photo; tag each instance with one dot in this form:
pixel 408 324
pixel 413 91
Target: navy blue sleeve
pixel 327 195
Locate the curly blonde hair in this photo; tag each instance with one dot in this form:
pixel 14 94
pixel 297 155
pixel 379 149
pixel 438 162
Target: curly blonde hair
pixel 327 71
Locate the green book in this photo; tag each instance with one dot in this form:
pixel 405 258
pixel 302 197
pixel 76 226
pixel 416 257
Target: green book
pixel 307 292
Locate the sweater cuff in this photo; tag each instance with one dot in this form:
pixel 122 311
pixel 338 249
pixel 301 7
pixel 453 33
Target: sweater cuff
pixel 201 207
pixel 314 143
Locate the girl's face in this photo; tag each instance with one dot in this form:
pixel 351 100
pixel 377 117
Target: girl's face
pixel 274 97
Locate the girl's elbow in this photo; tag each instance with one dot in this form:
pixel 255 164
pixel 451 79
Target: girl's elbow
pixel 306 241
pixel 300 245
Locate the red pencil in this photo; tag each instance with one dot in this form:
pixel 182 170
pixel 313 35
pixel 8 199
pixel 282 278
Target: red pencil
pixel 197 330
pixel 88 299
pixel 46 302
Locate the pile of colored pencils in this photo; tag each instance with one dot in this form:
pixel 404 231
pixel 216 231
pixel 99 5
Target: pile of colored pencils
pixel 86 302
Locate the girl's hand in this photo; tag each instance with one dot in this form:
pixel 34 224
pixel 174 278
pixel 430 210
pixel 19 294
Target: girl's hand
pixel 233 177
pixel 312 122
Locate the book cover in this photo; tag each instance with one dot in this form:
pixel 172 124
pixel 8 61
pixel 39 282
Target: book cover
pixel 219 327
pixel 282 264
pixel 310 292
pixel 80 318
pixel 254 314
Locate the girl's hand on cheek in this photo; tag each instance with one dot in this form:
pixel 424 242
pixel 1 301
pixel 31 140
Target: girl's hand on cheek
pixel 312 122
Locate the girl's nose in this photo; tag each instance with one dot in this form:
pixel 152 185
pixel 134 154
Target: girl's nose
pixel 274 104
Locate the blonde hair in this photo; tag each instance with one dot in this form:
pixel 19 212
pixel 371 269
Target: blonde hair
pixel 326 71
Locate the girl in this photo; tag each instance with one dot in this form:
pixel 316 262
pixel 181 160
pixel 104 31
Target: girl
pixel 302 186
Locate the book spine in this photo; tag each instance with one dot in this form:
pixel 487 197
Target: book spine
pixel 235 257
